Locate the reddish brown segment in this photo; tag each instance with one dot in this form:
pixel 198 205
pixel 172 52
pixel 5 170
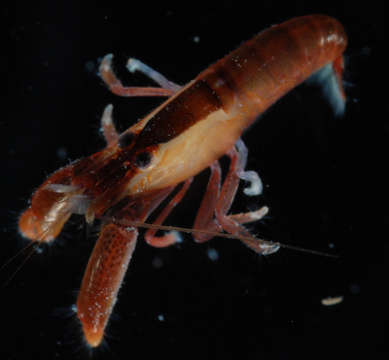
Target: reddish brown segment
pixel 264 68
pixel 102 279
pixel 48 212
pixel 108 264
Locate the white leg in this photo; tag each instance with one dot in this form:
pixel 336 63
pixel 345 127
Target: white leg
pixel 137 65
pixel 116 87
pixel 256 186
pixel 107 126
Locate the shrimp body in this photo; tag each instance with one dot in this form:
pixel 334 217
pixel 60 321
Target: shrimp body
pixel 190 131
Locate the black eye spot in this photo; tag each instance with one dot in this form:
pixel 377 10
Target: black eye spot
pixel 143 159
pixel 125 139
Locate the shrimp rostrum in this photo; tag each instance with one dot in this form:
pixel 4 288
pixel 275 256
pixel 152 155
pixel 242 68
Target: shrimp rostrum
pixel 198 123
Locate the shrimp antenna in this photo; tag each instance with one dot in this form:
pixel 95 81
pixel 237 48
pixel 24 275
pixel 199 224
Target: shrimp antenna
pixel 19 253
pixel 219 234
pixel 29 254
pixel 31 247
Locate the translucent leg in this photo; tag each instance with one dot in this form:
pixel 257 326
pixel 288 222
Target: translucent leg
pixel 205 216
pixel 231 223
pixel 117 87
pixel 244 218
pixel 136 65
pixel 102 279
pixel 213 199
pixel 256 186
pixel 107 127
pixel 171 237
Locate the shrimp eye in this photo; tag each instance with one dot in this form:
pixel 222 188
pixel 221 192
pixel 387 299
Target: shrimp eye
pixel 143 159
pixel 125 139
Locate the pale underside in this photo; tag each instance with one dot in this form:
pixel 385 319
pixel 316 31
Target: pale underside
pixel 190 152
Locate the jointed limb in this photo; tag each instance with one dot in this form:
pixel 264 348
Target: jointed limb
pixel 205 215
pixel 231 223
pixel 136 65
pixel 107 126
pixel 218 202
pixel 171 237
pixel 115 85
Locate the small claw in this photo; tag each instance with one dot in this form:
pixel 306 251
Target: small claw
pixel 256 187
pixel 107 115
pixel 106 63
pixel 269 248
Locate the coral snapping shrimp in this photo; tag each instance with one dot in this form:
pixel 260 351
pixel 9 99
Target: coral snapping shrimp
pixel 198 123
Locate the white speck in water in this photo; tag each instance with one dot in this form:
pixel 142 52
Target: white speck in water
pixel 90 66
pixel 355 289
pixel 330 301
pixel 62 153
pixel 157 262
pixel 38 250
pixel 196 39
pixel 213 254
pixel 74 308
pixel 160 317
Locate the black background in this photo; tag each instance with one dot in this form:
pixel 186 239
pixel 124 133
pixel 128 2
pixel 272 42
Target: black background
pixel 325 185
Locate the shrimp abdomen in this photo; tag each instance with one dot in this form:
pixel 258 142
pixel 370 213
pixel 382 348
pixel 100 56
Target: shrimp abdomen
pixel 266 67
